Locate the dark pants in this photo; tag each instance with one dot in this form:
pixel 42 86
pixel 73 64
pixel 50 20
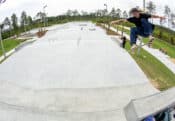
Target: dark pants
pixel 145 31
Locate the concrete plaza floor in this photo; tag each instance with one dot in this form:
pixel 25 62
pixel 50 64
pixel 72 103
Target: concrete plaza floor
pixel 76 69
pixel 68 57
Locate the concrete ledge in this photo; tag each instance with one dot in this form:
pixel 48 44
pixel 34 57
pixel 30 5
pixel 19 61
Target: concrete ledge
pixel 140 108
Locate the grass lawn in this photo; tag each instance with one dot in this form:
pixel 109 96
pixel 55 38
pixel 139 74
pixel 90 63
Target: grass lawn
pixel 10 44
pixel 159 75
pixel 164 45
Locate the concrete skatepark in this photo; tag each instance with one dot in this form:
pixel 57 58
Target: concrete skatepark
pixel 74 73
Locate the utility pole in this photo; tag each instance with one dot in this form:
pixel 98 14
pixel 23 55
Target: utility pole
pixel 1 42
pixel 2 46
pixel 144 5
pixel 44 14
pixel 107 15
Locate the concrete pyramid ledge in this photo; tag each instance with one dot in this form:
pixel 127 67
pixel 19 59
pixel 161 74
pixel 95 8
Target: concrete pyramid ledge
pixel 140 108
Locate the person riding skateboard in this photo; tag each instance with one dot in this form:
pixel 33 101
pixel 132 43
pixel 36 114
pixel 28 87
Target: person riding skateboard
pixel 143 27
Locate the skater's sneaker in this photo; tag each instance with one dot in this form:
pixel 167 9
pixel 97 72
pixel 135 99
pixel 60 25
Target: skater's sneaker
pixel 133 48
pixel 150 43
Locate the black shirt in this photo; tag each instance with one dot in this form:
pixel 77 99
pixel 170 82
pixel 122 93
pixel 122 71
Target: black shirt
pixel 137 21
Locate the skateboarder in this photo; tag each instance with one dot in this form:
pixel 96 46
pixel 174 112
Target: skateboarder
pixel 143 27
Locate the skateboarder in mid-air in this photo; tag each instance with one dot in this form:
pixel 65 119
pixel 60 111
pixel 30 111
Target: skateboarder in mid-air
pixel 143 27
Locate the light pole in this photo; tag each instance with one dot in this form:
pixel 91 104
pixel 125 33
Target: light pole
pixel 44 14
pixel 2 46
pixel 144 5
pixel 107 15
pixel 1 42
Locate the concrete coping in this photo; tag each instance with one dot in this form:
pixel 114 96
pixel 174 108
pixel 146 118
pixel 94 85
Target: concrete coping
pixel 139 109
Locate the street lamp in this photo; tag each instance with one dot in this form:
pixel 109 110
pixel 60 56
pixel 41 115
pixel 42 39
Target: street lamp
pixel 44 14
pixel 107 15
pixel 144 5
pixel 1 42
pixel 2 46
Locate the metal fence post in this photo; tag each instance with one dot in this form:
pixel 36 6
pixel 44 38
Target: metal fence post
pixel 140 45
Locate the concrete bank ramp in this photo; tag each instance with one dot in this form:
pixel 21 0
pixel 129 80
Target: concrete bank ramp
pixel 140 108
pixel 100 104
pixel 74 73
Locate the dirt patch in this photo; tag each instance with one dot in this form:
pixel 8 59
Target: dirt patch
pixel 41 33
pixel 173 60
pixel 155 84
pixel 108 31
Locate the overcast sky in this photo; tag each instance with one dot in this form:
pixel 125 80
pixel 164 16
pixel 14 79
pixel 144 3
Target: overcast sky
pixel 56 7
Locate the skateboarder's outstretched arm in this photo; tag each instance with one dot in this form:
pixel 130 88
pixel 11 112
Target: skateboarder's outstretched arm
pixel 118 21
pixel 159 17
pixel 125 20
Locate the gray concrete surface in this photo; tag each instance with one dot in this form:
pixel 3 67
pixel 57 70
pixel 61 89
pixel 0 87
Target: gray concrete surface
pixel 141 108
pixel 70 58
pixel 70 75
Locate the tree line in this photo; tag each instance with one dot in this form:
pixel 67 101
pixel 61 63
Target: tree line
pixel 151 7
pixel 14 26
